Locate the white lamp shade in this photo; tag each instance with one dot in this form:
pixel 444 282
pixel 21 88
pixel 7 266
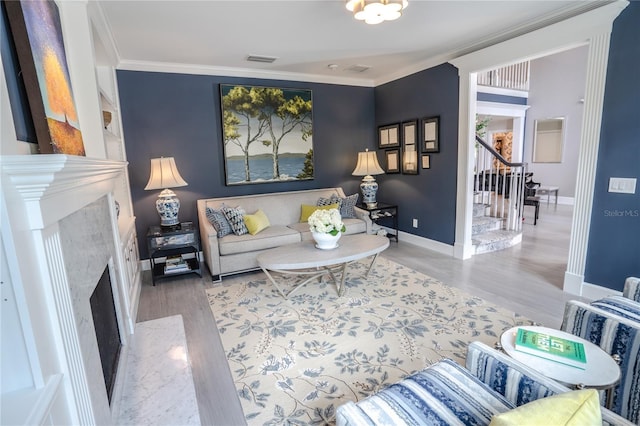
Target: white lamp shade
pixel 164 174
pixel 367 164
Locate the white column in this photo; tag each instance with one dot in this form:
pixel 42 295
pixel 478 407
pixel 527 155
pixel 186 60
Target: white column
pixel 597 62
pixel 463 248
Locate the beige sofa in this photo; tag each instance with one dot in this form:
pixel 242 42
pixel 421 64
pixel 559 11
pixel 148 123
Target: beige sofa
pixel 237 253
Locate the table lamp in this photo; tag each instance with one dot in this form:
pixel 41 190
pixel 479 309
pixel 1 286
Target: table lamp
pixel 165 175
pixel 367 166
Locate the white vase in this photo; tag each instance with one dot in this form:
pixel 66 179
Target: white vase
pixel 326 241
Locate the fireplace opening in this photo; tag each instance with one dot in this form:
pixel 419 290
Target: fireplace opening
pixel 105 322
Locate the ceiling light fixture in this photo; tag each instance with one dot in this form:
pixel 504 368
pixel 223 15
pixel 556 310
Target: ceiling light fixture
pixel 376 11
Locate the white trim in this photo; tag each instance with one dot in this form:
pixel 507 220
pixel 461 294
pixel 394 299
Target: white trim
pixel 595 292
pixel 33 406
pixel 518 113
pixel 597 62
pixel 74 365
pixel 45 181
pixel 466 152
pixel 573 283
pixel 502 91
pixel 167 67
pixel 561 36
pixel 426 243
pixel 498 108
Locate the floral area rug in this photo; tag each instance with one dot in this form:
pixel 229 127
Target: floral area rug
pixel 295 361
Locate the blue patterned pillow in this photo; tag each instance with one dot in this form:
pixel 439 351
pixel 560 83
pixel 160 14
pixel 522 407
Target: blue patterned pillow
pixel 235 216
pixel 328 201
pixel 219 221
pixel 345 205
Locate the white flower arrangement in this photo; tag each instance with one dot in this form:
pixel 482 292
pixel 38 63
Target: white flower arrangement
pixel 326 222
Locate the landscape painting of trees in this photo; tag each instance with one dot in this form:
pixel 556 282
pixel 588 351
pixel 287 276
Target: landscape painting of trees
pixel 267 134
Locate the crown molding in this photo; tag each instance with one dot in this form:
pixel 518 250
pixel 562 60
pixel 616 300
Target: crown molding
pixel 569 12
pixel 239 72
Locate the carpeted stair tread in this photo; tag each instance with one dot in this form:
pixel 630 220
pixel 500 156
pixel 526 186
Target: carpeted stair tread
pixel 485 224
pixel 495 240
pixel 480 209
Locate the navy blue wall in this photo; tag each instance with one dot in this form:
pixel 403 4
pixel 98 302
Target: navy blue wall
pixel 614 241
pixel 429 196
pixel 178 115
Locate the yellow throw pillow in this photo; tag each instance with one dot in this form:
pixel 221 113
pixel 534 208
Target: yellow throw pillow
pixel 307 210
pixel 575 408
pixel 256 222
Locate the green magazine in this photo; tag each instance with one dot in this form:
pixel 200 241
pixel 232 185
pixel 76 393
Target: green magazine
pixel 550 347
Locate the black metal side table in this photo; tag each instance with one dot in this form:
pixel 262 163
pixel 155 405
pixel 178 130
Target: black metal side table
pixel 173 251
pixel 381 214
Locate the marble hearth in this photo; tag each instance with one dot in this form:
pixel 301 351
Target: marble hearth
pixel 60 215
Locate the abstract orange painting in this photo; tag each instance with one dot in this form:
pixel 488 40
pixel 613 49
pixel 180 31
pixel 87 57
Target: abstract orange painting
pixel 37 34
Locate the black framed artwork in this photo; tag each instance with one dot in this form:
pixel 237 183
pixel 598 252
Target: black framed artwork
pixel 430 137
pixel 426 161
pixel 389 136
pixel 410 147
pixel 393 161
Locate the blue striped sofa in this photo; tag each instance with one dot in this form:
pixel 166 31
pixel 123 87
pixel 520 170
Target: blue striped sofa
pixel 612 323
pixel 446 393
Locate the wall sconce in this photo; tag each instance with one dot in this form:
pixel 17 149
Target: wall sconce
pixel 410 162
pixel 165 175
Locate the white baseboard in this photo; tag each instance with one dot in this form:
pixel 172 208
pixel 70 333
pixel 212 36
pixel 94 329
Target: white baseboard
pixel 567 201
pixel 572 283
pixel 575 284
pixel 595 292
pixel 436 246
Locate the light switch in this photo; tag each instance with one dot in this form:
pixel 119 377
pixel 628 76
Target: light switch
pixel 622 185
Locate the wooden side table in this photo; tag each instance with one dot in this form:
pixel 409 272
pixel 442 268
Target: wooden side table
pixel 181 243
pixel 381 212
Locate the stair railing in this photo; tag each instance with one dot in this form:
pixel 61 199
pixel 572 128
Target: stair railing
pixel 499 184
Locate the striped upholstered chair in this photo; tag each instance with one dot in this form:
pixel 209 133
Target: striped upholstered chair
pixel 612 323
pixel 446 393
pixel 632 289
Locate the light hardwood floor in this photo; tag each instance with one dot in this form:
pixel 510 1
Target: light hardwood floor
pixel 526 279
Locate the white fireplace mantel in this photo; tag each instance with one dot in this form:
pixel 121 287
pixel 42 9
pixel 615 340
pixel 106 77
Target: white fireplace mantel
pixel 52 205
pixel 53 186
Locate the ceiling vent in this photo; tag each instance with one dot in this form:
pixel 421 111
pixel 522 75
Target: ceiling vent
pixel 261 58
pixel 358 68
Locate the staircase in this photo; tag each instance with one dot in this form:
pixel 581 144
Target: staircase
pixel 498 200
pixel 487 231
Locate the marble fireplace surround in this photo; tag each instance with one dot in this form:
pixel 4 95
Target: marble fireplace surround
pixel 62 210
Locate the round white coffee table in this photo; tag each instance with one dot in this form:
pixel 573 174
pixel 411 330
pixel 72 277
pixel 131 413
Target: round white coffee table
pixel 305 259
pixel 601 370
